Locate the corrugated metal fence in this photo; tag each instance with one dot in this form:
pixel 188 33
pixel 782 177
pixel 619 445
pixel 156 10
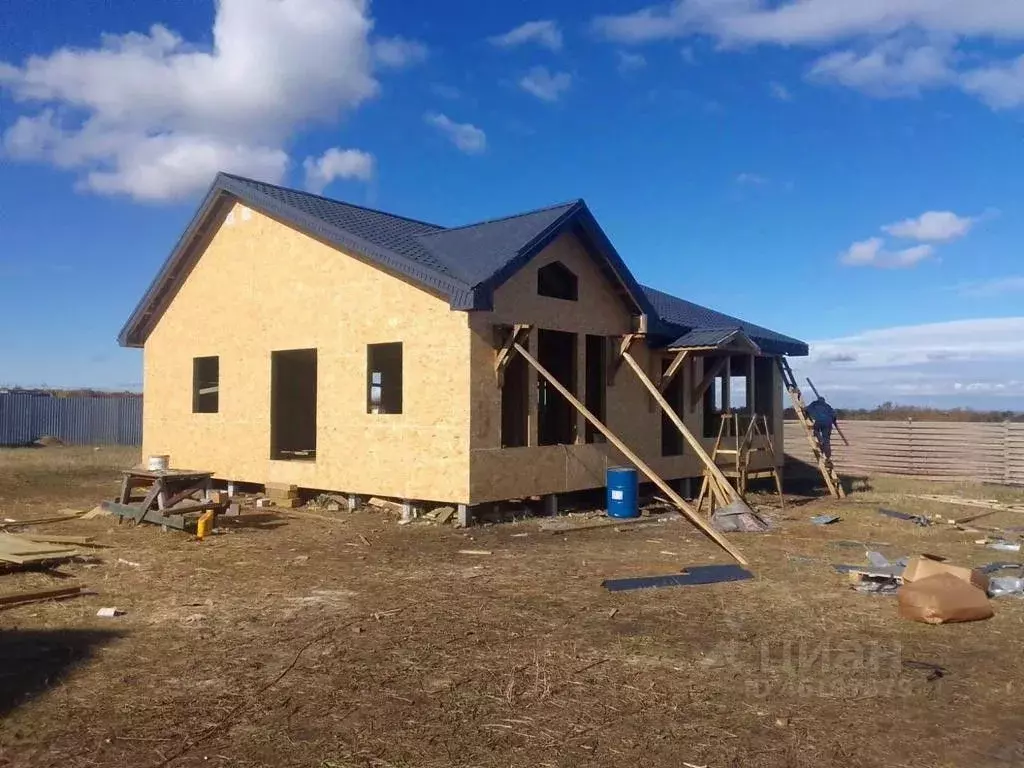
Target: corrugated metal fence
pixel 27 416
pixel 991 452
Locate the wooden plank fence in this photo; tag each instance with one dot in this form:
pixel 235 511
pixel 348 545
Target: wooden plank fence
pixel 988 452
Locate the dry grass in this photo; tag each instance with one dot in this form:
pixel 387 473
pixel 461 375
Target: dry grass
pixel 303 645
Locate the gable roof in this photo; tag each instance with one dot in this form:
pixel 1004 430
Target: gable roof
pixel 686 316
pixel 713 338
pixel 463 264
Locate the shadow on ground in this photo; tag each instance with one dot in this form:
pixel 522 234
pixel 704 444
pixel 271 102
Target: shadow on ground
pixel 32 661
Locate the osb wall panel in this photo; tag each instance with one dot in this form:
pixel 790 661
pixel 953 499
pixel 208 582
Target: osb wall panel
pixel 261 286
pixel 498 473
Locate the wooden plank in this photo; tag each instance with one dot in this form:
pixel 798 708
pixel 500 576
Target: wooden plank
pixel 615 362
pixel 726 489
pixel 40 520
pixel 20 598
pixel 709 377
pixel 505 353
pixel 685 508
pixel 180 496
pixel 58 539
pixel 672 370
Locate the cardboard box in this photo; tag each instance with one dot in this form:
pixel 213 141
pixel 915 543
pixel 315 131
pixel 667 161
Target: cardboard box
pixel 926 566
pixel 942 599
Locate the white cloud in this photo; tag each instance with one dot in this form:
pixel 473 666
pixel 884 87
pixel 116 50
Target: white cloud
pixel 465 136
pixel 955 363
pixel 751 180
pixel 544 84
pixel 629 62
pixel 337 163
pixel 544 33
pixel 1001 85
pixel 872 253
pixel 154 116
pixel 446 91
pixel 933 227
pixel 887 70
pixel 986 289
pixel 398 52
pixel 779 91
pixel 901 46
pixel 812 21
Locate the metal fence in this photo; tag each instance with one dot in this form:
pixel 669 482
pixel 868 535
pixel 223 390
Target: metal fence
pixel 27 416
pixel 989 452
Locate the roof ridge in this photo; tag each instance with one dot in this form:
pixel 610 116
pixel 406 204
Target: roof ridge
pixel 333 200
pixel 566 204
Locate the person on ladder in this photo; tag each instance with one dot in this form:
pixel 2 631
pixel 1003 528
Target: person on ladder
pixel 823 418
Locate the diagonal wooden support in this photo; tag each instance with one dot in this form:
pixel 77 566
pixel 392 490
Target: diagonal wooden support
pixel 665 488
pixel 709 377
pixel 616 360
pixel 726 493
pixel 673 368
pixel 501 360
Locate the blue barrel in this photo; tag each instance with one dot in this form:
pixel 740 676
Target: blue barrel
pixel 623 488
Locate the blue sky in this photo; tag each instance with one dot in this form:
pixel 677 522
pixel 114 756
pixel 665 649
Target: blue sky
pixel 848 173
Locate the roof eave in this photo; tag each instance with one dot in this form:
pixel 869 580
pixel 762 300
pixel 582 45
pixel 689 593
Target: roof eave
pixel 134 332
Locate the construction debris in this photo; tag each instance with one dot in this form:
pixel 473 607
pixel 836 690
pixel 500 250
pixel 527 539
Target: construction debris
pixel 943 598
pixel 22 598
pixel 383 504
pixel 97 511
pixel 69 515
pixel 109 613
pixel 475 552
pixel 1005 546
pixel 1000 586
pixel 920 520
pixel 43 539
pixel 738 518
pixel 19 550
pixel 698 575
pixel 879 577
pixel 825 519
pixel 995 506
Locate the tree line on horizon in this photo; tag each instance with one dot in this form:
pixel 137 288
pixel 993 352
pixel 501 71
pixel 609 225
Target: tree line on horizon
pixel 889 411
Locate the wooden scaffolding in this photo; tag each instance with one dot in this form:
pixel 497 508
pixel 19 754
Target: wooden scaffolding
pixel 734 453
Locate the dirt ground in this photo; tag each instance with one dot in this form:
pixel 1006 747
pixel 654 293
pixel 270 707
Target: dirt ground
pixel 353 641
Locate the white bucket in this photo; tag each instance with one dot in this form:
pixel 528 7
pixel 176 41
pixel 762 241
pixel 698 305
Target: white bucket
pixel 158 463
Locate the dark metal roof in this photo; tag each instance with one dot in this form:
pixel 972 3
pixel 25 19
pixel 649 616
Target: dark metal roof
pixel 687 316
pixel 705 337
pixel 463 264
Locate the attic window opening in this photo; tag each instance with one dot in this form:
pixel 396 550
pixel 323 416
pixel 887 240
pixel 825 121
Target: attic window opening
pixel 205 385
pixel 384 378
pixel 557 281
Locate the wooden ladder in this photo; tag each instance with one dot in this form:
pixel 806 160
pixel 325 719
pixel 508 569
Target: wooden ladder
pixel 737 464
pixel 825 465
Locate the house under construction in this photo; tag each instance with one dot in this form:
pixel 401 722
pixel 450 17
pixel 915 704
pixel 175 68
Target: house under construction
pixel 290 338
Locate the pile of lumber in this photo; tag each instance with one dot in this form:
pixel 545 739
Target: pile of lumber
pixel 24 550
pixel 283 495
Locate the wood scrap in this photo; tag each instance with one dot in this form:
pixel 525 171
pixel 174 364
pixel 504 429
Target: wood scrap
pixel 21 598
pixel 555 528
pixel 314 516
pixel 444 514
pixel 43 539
pixel 21 551
pixel 475 552
pixel 39 520
pixel 995 506
pixel 97 511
